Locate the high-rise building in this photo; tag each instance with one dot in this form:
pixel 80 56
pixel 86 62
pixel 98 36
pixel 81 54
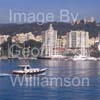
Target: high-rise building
pixel 77 39
pixel 49 42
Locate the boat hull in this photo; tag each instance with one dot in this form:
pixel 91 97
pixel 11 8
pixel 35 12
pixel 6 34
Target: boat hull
pixel 28 73
pixel 44 57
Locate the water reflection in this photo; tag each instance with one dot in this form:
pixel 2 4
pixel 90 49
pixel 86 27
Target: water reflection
pixel 71 68
pixel 82 68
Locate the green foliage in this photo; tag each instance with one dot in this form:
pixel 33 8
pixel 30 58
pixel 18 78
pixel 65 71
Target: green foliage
pixel 62 28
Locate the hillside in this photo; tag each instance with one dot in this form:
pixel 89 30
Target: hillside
pixel 62 28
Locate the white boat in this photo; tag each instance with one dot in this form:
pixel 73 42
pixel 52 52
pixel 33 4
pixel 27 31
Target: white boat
pixel 58 57
pixel 92 58
pixel 26 69
pixel 84 58
pixel 27 58
pixel 53 57
pixel 79 57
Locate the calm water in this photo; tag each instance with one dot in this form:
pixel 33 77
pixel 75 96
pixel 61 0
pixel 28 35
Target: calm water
pixel 55 69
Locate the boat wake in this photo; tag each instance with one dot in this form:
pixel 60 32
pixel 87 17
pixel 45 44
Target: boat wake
pixel 4 74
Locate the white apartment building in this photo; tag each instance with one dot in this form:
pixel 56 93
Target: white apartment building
pixel 77 39
pixel 49 42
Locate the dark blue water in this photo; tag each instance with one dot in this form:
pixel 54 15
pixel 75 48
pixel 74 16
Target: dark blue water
pixel 56 69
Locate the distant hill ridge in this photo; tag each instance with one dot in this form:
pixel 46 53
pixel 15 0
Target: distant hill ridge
pixel 62 28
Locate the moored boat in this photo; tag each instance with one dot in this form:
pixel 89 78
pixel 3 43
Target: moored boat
pixel 84 58
pixel 79 57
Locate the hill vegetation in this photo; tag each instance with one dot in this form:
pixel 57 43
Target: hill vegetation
pixel 62 28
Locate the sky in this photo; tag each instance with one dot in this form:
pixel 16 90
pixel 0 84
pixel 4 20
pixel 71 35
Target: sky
pixel 84 8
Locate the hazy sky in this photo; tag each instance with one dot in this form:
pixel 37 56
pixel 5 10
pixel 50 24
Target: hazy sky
pixel 85 8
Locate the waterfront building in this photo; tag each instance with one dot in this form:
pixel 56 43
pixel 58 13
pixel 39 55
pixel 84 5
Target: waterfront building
pixel 49 42
pixel 38 38
pixel 3 38
pixel 77 39
pixel 22 37
pixel 30 36
pixel 93 41
pixel 52 46
pixel 63 41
